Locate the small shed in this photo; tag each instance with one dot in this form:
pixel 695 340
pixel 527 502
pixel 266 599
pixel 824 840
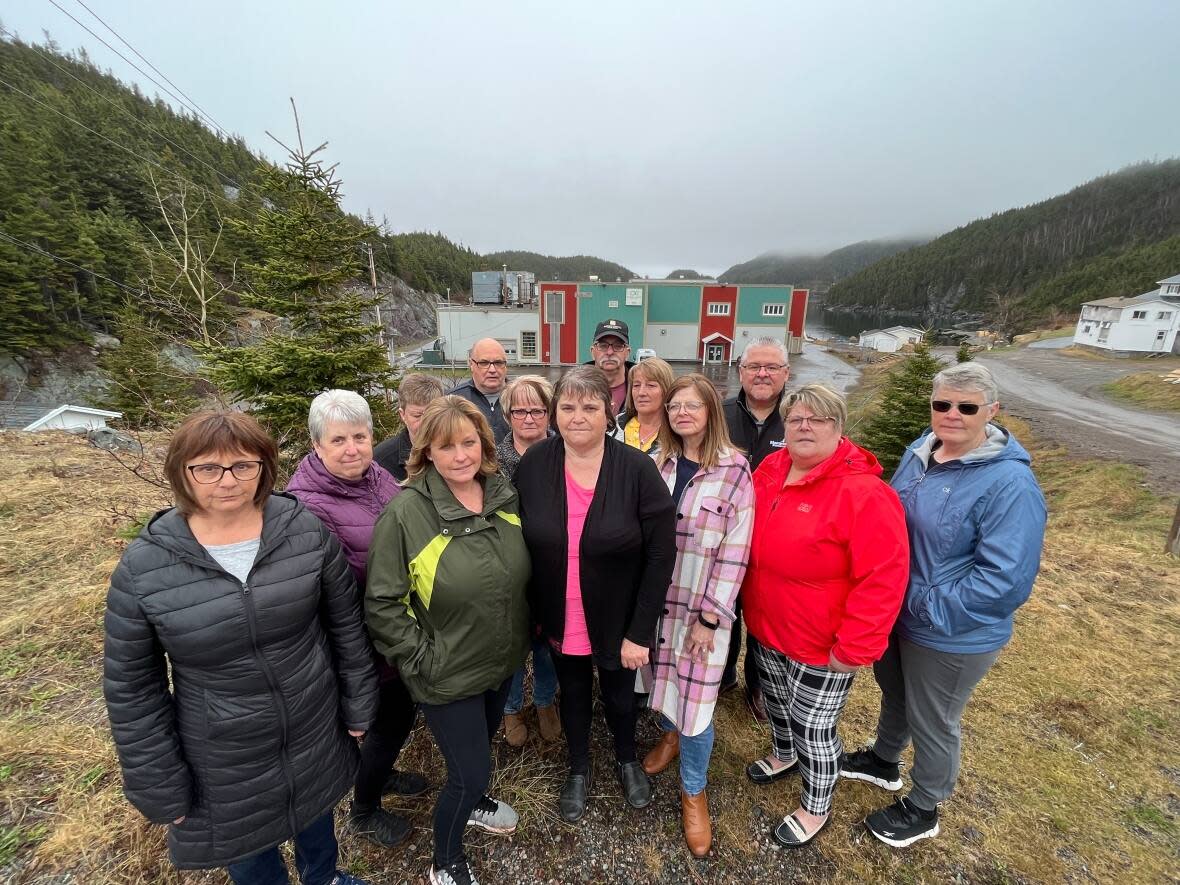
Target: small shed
pixel 73 418
pixel 890 340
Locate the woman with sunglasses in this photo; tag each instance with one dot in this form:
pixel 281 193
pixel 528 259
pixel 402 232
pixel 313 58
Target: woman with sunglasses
pixel 976 521
pixel 237 673
pixel 526 401
pixel 828 567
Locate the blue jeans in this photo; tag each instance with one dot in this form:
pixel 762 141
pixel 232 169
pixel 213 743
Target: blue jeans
pixel 316 853
pixel 544 680
pixel 695 752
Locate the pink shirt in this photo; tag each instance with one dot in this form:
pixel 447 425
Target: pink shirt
pixel 576 640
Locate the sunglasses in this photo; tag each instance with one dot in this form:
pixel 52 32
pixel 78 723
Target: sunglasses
pixel 945 405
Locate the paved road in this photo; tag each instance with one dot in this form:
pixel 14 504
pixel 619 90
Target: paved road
pixel 1061 397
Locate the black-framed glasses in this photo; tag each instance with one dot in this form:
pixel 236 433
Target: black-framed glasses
pixel 945 405
pixel 207 474
pixel 487 364
pixel 769 368
pixel 521 414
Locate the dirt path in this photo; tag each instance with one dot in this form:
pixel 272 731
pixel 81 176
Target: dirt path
pixel 1061 396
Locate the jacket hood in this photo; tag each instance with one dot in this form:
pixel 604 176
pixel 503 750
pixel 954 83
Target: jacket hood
pixel 312 475
pixel 999 445
pixel 430 485
pixel 849 459
pixel 169 529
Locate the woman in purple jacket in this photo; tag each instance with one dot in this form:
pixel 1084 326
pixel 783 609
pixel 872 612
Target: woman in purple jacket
pixel 339 482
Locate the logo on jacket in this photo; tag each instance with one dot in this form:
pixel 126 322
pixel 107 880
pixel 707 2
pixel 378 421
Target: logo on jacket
pixel 804 508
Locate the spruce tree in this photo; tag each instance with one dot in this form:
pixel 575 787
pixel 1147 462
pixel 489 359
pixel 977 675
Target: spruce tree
pixel 904 411
pixel 310 255
pixel 147 387
pixel 963 354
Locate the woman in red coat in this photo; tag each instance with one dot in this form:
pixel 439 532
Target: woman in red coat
pixel 828 569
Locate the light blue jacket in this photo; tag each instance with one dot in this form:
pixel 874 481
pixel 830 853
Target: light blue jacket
pixel 976 526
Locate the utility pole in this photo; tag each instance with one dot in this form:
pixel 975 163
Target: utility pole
pixel 380 324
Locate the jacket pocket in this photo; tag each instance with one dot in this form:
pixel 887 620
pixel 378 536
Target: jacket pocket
pixel 712 522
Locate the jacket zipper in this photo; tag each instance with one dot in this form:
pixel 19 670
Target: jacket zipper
pixel 281 705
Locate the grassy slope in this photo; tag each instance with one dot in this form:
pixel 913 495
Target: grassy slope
pixel 1147 389
pixel 1069 768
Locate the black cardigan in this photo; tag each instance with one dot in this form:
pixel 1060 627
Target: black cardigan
pixel 628 546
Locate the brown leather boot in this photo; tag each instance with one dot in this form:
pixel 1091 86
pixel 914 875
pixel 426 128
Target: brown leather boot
pixel 516 732
pixel 549 723
pixel 663 753
pixel 698 829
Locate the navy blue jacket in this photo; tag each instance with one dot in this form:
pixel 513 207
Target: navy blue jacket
pixel 976 527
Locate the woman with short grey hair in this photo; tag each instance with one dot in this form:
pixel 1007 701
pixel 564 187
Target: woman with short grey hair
pixel 975 532
pixel 340 483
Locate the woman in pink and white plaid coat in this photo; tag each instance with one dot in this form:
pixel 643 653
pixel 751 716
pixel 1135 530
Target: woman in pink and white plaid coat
pixel 714 494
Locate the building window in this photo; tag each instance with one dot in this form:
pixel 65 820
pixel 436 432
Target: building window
pixel 718 309
pixel 528 345
pixel 1086 329
pixel 774 310
pixel 1161 335
pixel 555 306
pixel 1164 315
pixel 1139 314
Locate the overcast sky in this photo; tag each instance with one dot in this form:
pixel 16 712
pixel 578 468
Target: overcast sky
pixel 664 135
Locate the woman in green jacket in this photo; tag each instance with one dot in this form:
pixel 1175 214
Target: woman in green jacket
pixel 445 603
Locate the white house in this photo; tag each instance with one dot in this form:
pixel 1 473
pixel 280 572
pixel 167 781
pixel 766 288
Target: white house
pixel 516 328
pixel 1147 323
pixel 73 418
pixel 890 340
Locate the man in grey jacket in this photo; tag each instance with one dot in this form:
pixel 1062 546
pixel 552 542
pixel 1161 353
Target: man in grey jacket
pixel 489 374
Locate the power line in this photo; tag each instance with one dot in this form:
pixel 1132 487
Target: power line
pixel 49 57
pixel 149 64
pixel 35 248
pixel 138 68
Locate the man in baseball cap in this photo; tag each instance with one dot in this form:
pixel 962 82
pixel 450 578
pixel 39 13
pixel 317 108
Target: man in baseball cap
pixel 611 347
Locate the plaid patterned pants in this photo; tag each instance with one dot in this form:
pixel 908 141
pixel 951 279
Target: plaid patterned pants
pixel 804 704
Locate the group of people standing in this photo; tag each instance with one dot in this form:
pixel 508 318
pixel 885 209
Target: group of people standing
pixel 267 652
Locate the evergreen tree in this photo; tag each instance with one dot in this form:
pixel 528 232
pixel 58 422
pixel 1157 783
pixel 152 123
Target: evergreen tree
pixel 905 408
pixel 963 354
pixel 146 387
pixel 311 253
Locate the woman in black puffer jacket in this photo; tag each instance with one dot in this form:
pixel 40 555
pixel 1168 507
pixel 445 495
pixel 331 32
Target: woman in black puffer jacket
pixel 248 599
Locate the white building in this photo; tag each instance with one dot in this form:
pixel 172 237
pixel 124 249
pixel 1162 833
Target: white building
pixel 890 340
pixel 516 328
pixel 1147 323
pixel 73 418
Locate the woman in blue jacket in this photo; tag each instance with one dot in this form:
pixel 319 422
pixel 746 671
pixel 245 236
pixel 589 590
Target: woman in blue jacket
pixel 976 521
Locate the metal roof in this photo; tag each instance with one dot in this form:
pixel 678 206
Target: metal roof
pixel 1172 280
pixel 17 416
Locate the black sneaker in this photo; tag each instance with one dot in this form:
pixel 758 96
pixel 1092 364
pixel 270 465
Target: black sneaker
pixel 380 827
pixel 865 765
pixel 903 823
pixel 458 873
pixel 405 783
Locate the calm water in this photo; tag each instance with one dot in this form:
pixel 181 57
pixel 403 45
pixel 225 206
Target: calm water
pixel 822 323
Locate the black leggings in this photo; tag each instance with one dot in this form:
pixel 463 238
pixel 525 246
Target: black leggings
pixel 575 675
pixel 387 735
pixel 463 731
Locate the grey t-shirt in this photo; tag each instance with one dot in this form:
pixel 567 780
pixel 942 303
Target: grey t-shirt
pixel 235 558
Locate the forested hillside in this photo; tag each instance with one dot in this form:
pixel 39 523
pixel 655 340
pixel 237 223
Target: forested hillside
pixel 550 267
pixel 1107 237
pixel 89 165
pixel 816 272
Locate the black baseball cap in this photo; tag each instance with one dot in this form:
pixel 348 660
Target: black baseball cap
pixel 607 328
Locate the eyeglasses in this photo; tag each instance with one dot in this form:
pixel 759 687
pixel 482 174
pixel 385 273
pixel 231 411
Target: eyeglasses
pixel 207 474
pixel 689 407
pixel 945 405
pixel 768 368
pixel 811 421
pixel 486 364
pixel 610 348
pixel 521 414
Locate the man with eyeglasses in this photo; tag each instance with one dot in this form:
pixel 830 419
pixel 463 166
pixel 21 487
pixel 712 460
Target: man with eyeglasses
pixel 489 374
pixel 755 426
pixel 611 347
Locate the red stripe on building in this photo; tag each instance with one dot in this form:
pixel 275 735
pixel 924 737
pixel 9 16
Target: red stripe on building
pixel 714 323
pixel 798 312
pixel 566 329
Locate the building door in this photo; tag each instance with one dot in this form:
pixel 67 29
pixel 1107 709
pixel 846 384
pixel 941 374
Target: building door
pixel 715 353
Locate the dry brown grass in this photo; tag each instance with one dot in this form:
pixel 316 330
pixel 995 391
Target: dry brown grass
pixel 1149 389
pixel 1070 769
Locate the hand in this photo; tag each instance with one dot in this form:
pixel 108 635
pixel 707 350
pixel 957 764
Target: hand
pixel 838 666
pixel 357 734
pixel 634 656
pixel 698 642
pixel 179 820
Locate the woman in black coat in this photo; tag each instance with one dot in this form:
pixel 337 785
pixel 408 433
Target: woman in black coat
pixel 249 601
pixel 591 500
